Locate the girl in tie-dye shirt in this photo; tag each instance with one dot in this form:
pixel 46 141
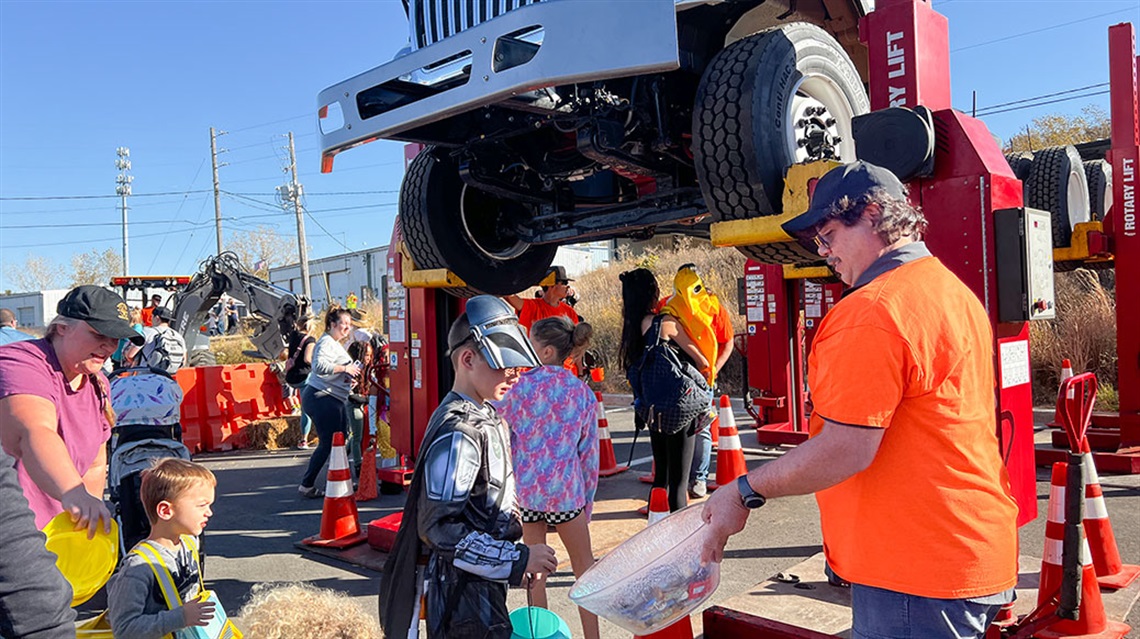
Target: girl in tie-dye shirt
pixel 554 443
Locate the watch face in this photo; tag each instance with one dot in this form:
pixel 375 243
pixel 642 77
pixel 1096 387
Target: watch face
pixel 750 498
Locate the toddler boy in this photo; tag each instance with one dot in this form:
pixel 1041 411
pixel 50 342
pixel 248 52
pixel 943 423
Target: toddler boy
pixel 177 495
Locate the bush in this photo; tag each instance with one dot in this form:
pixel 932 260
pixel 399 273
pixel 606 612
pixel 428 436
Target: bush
pixel 599 292
pixel 1084 331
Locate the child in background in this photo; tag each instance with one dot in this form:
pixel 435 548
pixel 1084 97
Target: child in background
pixel 554 446
pixel 177 495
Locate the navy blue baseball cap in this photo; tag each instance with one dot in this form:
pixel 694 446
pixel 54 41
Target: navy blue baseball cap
pixel 851 180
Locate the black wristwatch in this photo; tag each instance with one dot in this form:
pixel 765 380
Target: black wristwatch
pixel 750 498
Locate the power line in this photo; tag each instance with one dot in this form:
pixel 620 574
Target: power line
pixel 1039 97
pixel 1042 29
pixel 27 198
pixel 1037 104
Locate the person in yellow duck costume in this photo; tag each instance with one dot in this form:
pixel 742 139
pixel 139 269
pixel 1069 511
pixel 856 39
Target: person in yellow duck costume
pixel 695 308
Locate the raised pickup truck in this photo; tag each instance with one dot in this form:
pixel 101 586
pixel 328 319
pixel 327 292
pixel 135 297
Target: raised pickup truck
pixel 561 121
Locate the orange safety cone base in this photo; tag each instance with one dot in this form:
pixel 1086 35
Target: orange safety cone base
pixel 643 511
pixel 1122 579
pixel 680 629
pixel 344 542
pixel 1112 630
pixel 609 472
pixel 646 479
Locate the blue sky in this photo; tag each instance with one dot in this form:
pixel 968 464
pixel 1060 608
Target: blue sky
pixel 79 79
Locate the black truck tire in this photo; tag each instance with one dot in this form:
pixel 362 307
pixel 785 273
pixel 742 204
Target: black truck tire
pixel 1098 174
pixel 1057 184
pixel 1020 162
pixel 754 104
pixel 447 224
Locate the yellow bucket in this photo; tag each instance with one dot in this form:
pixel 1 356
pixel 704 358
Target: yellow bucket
pixel 87 564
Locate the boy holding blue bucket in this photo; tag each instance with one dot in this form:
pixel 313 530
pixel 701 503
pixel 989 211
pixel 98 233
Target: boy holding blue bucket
pixel 460 515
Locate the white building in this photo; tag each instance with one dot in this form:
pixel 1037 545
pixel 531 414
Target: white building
pixel 364 272
pixel 333 278
pixel 33 310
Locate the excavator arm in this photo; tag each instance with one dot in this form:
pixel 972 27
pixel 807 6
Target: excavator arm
pixel 274 309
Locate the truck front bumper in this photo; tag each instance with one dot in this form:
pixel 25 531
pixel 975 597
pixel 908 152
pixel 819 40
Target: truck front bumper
pixel 582 42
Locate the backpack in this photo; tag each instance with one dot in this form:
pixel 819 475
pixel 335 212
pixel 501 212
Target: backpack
pixel 670 393
pixel 165 351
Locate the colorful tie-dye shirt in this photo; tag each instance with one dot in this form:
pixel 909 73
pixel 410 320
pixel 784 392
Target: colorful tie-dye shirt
pixel 554 440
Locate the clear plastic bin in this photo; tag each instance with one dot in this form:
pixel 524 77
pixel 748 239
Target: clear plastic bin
pixel 654 578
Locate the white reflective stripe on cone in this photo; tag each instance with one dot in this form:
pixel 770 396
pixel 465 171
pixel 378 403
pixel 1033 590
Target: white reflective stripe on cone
pixel 338 459
pixel 1056 504
pixel 729 442
pixel 338 489
pixel 603 433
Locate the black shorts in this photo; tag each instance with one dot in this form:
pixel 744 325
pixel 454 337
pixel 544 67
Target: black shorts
pixel 535 516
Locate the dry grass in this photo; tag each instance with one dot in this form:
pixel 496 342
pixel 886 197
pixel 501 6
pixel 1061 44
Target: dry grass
pixel 599 293
pixel 228 349
pixel 1084 331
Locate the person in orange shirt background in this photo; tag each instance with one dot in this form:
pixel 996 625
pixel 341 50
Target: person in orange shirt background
pixel 914 499
pixel 555 290
pixel 147 312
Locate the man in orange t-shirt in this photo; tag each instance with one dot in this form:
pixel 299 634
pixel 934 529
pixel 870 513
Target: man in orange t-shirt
pixel 555 289
pixel 148 311
pixel 914 499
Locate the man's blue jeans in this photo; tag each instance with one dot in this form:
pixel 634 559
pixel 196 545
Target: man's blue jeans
pixel 702 455
pixel 886 614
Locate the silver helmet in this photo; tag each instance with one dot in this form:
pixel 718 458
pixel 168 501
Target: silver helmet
pixel 494 328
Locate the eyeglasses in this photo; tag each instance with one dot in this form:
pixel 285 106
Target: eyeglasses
pixel 823 240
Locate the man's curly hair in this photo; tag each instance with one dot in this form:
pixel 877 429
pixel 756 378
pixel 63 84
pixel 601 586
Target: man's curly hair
pixel 301 611
pixel 897 218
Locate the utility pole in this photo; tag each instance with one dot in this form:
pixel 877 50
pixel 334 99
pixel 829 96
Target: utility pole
pixel 217 190
pixel 123 189
pixel 294 189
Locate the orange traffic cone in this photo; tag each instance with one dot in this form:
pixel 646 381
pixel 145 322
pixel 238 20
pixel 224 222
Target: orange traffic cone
pixel 680 629
pixel 340 526
pixel 648 479
pixel 1111 572
pixel 1091 619
pixel 1066 373
pixel 729 456
pixel 658 505
pixel 607 461
pixel 366 483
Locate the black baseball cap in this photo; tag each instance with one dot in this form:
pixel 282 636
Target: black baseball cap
pixel 163 313
pixel 554 275
pixel 103 311
pixel 851 180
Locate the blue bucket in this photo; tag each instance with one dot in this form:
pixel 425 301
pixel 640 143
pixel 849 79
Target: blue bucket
pixel 537 623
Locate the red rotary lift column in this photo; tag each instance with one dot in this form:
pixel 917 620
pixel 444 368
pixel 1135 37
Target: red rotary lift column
pixel 1125 158
pixel 909 58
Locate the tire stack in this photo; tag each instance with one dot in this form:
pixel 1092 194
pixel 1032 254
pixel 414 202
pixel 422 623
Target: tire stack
pixel 1098 173
pixel 1055 181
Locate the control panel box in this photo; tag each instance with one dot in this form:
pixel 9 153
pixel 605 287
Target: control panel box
pixel 1024 252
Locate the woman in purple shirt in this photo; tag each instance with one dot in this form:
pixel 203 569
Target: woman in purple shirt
pixel 55 413
pixel 554 445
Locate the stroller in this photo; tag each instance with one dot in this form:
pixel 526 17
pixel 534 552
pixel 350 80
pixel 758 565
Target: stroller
pixel 147 403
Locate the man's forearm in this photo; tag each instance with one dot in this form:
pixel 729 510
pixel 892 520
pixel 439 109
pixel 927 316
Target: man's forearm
pixel 821 462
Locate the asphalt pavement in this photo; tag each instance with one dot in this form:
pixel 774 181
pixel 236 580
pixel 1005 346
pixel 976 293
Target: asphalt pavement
pixel 259 517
